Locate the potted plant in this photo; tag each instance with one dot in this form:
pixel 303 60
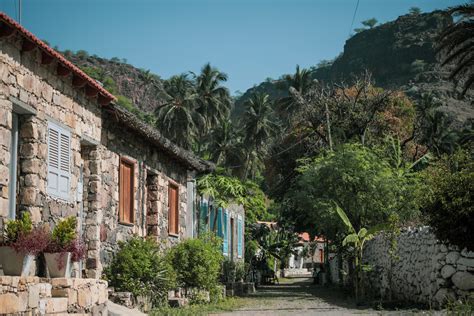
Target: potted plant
pixel 64 248
pixel 21 243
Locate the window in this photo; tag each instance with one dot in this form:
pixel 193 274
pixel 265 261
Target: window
pixel 59 158
pixel 173 209
pixel 126 191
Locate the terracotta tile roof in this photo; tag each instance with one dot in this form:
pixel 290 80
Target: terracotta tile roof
pixel 305 237
pixel 107 97
pixel 156 138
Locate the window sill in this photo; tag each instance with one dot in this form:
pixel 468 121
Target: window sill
pixel 173 235
pixel 126 224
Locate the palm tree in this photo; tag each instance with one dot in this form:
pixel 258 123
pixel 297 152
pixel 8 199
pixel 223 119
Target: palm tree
pixel 223 144
pixel 178 119
pixel 300 81
pixel 456 43
pixel 258 126
pixel 439 137
pixel 214 100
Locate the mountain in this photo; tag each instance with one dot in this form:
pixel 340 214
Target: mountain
pixel 137 87
pixel 400 55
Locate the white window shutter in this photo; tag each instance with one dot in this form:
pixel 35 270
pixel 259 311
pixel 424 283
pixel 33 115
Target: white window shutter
pixel 59 160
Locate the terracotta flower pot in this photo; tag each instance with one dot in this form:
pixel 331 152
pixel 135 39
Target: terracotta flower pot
pixel 59 264
pixel 16 263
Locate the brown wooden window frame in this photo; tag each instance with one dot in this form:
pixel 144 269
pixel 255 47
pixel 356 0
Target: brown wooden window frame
pixel 173 231
pixel 130 163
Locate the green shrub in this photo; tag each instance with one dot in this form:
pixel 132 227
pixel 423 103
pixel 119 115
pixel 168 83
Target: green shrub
pixel 228 271
pixel 64 232
pixel 240 271
pixel 448 202
pixel 82 54
pixel 139 268
pixel 232 271
pixel 197 262
pixel 18 227
pixel 460 307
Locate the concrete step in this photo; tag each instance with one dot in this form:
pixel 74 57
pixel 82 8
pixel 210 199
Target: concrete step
pixel 119 310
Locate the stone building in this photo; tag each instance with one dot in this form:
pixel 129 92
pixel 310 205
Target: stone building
pixel 66 149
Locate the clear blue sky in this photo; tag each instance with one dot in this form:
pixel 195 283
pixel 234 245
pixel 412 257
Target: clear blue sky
pixel 250 40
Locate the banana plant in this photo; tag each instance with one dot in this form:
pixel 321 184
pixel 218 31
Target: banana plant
pixel 357 240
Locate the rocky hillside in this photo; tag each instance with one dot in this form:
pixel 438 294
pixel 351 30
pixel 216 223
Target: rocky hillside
pixel 400 55
pixel 141 87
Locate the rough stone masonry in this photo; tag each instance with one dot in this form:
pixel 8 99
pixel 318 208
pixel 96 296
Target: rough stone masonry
pixel 36 89
pixel 423 270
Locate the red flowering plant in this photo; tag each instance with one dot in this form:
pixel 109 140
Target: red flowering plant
pixel 33 242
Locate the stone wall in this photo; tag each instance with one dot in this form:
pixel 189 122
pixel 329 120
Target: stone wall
pixel 97 143
pixel 153 173
pixel 23 79
pixel 426 271
pixel 34 295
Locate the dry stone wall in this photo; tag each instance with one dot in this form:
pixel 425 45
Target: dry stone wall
pixel 423 269
pixel 153 173
pixel 40 296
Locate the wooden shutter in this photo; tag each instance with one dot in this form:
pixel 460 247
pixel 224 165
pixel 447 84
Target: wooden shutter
pixel 212 218
pixel 219 222
pixel 59 161
pixel 173 212
pixel 239 236
pixel 203 217
pixel 126 191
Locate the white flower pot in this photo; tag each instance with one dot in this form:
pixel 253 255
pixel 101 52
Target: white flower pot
pixel 59 264
pixel 16 263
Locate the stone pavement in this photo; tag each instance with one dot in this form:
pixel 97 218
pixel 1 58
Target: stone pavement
pixel 298 296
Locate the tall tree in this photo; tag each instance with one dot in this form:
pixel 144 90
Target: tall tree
pixel 258 127
pixel 368 24
pixel 360 181
pixel 300 81
pixel 224 146
pixel 456 45
pixel 178 119
pixel 213 100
